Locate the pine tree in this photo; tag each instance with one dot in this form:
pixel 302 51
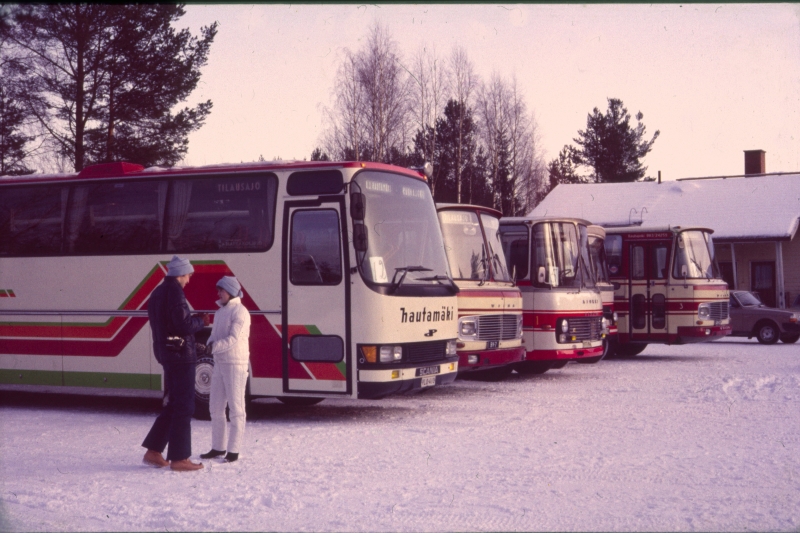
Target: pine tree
pixel 12 140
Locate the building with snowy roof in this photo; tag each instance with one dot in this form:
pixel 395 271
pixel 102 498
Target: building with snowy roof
pixel 754 216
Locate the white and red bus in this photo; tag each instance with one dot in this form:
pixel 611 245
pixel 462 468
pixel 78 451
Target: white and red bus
pixel 562 309
pixel 489 305
pixel 342 265
pixel 597 256
pixel 670 290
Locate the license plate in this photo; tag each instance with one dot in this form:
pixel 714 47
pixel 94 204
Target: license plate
pixel 587 344
pixel 428 370
pixel 492 345
pixel 429 381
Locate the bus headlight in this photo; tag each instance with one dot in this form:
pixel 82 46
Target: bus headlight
pixel 563 325
pixel 704 311
pixel 468 328
pixel 616 317
pixel 451 347
pixel 390 354
pixel 519 326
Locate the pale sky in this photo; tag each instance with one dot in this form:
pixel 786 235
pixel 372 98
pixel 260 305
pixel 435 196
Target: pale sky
pixel 714 79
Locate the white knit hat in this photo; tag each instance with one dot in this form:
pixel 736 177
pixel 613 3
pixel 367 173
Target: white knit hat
pixel 231 285
pixel 179 267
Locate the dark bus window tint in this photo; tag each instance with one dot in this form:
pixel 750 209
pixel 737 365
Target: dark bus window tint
pixel 316 248
pixel 31 220
pixel 515 248
pixel 637 262
pixel 221 214
pixel 613 244
pixel 114 218
pixel 315 182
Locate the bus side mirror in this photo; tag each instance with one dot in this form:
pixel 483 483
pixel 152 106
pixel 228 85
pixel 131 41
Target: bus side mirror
pixel 358 204
pixel 360 237
pixel 541 276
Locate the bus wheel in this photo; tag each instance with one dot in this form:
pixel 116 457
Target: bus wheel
pixel 531 367
pixel 589 360
pixel 202 387
pixel 767 333
pixel 494 374
pixel 559 364
pixel 299 401
pixel 630 350
pixel 789 339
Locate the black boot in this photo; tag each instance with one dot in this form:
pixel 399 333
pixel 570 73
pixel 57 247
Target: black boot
pixel 213 453
pixel 231 457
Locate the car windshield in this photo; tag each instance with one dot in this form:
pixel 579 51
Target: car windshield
pixel 694 258
pixel 747 299
pixel 404 237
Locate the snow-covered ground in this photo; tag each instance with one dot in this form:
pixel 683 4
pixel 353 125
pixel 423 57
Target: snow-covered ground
pixel 686 438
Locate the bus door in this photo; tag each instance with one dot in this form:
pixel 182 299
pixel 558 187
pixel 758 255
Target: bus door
pixel 649 273
pixel 315 325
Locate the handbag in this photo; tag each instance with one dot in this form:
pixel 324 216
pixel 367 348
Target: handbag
pixel 175 343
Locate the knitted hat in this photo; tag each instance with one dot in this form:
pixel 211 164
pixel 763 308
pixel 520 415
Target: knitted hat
pixel 179 267
pixel 231 285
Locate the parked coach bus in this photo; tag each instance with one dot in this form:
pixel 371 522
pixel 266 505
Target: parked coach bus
pixel 489 305
pixel 670 290
pixel 597 256
pixel 342 265
pixel 562 310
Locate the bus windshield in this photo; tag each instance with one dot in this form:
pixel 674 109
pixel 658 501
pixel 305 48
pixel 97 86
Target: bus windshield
pixel 597 255
pixel 491 226
pixel 463 240
pixel 404 237
pixel 557 256
pixel 694 258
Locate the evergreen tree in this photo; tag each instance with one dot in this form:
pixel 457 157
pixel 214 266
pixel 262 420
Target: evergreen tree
pixel 563 169
pixel 12 140
pixel 108 76
pixel 319 155
pixel 611 147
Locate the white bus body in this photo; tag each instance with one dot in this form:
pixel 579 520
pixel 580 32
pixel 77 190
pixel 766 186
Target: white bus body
pixel 342 267
pixel 597 256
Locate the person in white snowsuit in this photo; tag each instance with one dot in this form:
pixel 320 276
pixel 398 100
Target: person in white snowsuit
pixel 229 341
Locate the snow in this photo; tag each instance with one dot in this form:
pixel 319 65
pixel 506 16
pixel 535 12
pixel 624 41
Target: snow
pixel 764 206
pixel 699 437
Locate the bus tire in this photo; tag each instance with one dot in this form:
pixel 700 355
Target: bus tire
pixel 559 364
pixel 589 360
pixel 202 387
pixel 767 332
pixel 532 367
pixel 630 349
pixel 299 401
pixel 790 338
pixel 493 374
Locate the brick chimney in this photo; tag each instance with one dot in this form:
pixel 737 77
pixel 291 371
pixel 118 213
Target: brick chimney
pixel 755 162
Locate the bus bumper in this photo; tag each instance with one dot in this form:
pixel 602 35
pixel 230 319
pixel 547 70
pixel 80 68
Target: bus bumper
pixel 571 354
pixel 688 335
pixel 374 384
pixel 488 359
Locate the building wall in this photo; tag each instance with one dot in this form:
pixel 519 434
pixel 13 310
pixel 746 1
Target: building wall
pixel 746 253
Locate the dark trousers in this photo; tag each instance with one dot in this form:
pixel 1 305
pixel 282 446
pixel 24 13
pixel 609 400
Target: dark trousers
pixel 173 425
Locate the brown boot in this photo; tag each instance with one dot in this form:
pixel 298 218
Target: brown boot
pixel 185 465
pixel 155 459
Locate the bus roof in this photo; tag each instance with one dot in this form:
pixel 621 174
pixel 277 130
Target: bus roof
pixel 121 169
pixel 470 207
pixel 596 231
pixel 537 220
pixel 654 229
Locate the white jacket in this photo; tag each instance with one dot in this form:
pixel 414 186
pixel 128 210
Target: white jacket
pixel 230 334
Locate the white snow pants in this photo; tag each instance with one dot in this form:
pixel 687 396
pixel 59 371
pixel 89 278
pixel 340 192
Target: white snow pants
pixel 228 384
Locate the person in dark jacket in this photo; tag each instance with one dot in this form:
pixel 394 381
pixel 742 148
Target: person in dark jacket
pixel 173 328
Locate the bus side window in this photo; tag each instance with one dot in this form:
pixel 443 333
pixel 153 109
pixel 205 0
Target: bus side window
pixel 637 262
pixel 316 248
pixel 659 262
pixel 31 220
pixel 613 245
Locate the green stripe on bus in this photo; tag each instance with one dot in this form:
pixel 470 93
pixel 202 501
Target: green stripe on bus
pixel 314 330
pixel 106 380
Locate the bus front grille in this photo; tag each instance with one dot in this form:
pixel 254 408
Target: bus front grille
pixel 718 310
pixel 586 328
pixel 421 352
pixel 498 327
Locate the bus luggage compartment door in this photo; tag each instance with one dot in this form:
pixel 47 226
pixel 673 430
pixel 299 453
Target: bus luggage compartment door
pixel 315 294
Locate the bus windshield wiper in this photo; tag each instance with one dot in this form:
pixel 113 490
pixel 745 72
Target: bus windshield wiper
pixel 405 270
pixel 440 278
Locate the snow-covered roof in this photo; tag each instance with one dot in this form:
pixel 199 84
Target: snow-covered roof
pixel 737 208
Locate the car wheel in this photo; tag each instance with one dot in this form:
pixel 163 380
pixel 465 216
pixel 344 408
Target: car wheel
pixel 790 338
pixel 630 350
pixel 202 387
pixel 767 333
